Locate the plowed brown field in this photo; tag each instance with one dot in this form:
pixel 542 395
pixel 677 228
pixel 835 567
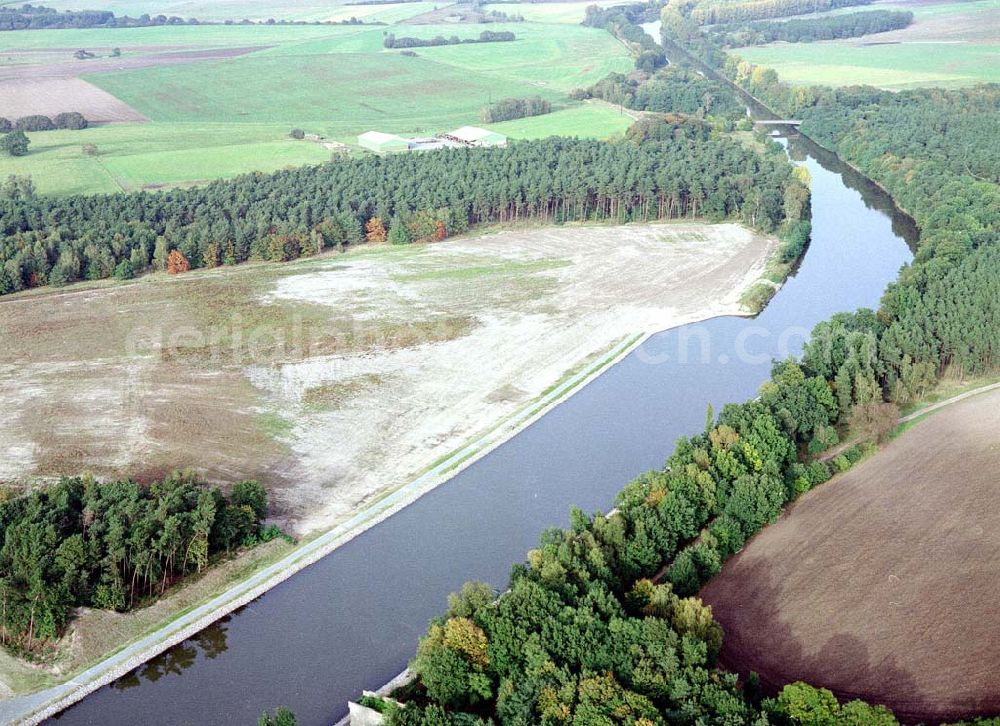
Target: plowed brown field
pixel 884 583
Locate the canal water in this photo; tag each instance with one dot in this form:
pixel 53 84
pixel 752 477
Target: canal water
pixel 351 621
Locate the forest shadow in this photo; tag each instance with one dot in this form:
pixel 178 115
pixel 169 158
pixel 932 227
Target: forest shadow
pixel 757 638
pixel 210 643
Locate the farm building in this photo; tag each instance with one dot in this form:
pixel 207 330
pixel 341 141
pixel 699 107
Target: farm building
pixel 382 143
pixel 475 136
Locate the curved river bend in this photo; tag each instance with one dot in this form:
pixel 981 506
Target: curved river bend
pixel 352 620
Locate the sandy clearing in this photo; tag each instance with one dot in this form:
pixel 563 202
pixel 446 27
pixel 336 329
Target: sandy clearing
pixel 883 583
pixel 568 295
pixel 399 356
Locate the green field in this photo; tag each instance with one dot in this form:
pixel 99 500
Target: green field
pixel 133 155
pixel 218 118
pixel 554 12
pixel 905 65
pixel 592 120
pixel 949 44
pixel 193 36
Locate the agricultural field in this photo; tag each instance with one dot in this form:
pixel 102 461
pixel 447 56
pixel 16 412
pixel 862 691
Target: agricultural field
pixel 203 102
pixel 548 12
pixel 949 44
pixel 595 119
pixel 252 372
pixel 882 584
pixel 137 156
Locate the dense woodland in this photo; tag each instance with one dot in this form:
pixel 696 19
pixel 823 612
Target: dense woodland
pixel 402 197
pixel 675 89
pixel 112 545
pixel 806 30
pixel 601 624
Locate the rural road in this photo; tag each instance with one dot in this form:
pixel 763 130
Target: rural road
pixel 948 401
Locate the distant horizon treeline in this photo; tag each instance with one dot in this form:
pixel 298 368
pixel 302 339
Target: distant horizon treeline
pixel 286 214
pixel 711 12
pixel 40 17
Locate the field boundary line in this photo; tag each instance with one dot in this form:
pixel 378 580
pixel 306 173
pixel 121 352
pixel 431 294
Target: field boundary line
pixel 948 401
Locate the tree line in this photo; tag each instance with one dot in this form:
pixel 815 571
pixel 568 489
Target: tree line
pixel 711 12
pixel 113 545
pixel 39 17
pixel 807 30
pixel 602 624
pixel 508 109
pixel 487 36
pixel 622 21
pixel 283 215
pixel 72 120
pixel 675 89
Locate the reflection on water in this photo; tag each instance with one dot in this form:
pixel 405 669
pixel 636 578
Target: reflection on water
pixel 210 642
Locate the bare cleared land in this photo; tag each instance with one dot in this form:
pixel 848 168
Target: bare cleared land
pixel 47 81
pixel 883 584
pixel 51 96
pixel 337 378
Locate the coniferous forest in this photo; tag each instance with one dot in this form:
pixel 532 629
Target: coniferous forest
pixel 287 214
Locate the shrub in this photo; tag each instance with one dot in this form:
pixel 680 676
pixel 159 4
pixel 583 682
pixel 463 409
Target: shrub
pixel 841 464
pixel 177 262
pixel 72 120
pixel 36 122
pixel 399 234
pixel 124 270
pixel 297 134
pixel 819 472
pixel 15 143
